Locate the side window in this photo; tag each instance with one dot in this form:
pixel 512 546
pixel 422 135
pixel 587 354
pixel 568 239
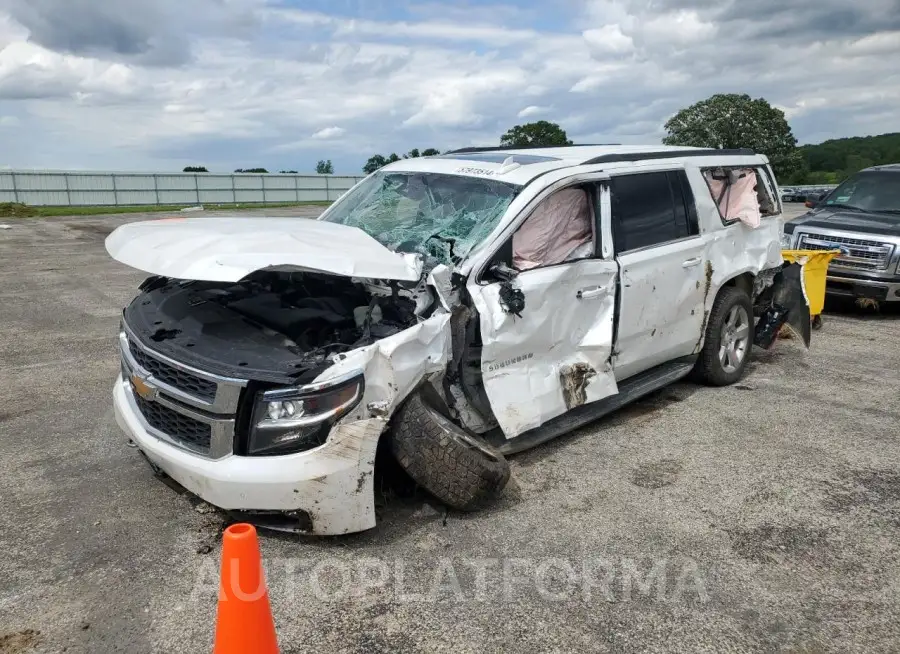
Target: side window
pixel 559 229
pixel 740 193
pixel 685 208
pixel 649 209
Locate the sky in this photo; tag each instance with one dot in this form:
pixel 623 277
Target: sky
pixel 161 84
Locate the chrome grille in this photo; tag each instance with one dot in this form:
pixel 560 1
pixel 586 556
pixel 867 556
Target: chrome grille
pixel 189 408
pixel 861 254
pixel 195 435
pixel 185 381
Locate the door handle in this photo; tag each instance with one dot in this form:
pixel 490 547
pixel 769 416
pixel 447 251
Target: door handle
pixel 589 293
pixel 690 263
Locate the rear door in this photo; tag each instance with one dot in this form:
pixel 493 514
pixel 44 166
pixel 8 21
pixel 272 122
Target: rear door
pixel 664 279
pixel 547 333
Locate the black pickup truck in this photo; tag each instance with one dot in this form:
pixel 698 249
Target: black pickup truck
pixel 861 217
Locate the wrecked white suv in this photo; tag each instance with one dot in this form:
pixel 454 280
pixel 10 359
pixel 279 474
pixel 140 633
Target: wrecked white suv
pixel 456 308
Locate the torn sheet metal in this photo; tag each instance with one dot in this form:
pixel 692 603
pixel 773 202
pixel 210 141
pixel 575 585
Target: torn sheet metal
pixel 441 280
pixel 786 303
pixel 395 365
pixel 557 354
pixel 739 249
pixel 229 249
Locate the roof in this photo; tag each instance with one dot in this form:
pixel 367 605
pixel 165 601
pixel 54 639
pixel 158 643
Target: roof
pixel 894 167
pixel 535 161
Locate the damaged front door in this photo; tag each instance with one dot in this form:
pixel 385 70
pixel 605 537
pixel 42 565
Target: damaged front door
pixel 547 318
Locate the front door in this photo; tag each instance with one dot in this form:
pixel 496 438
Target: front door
pixel 547 334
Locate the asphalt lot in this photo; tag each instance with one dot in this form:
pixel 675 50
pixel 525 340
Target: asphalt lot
pixel 764 516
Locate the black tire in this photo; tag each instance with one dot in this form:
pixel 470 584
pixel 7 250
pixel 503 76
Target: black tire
pixel 455 466
pixel 710 368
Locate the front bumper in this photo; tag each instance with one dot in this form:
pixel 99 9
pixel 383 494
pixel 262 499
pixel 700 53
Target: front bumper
pixel 845 285
pixel 332 484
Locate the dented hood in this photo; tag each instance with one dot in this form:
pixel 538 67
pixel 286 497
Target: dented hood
pixel 229 249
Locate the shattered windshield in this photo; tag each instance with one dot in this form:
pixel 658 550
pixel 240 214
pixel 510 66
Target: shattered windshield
pixel 441 217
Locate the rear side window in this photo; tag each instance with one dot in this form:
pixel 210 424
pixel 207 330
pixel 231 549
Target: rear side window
pixel 652 208
pixel 740 192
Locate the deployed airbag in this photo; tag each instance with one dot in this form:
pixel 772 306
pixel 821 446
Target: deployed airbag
pixel 559 226
pixel 735 194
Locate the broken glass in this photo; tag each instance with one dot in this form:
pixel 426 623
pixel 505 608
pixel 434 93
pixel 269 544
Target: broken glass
pixel 441 217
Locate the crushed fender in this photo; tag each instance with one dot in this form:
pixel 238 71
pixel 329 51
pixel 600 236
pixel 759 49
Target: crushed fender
pixel 784 303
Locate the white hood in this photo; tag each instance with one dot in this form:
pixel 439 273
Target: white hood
pixel 229 249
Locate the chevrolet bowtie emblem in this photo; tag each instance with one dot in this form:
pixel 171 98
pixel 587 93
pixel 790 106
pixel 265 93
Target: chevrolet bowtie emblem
pixel 143 388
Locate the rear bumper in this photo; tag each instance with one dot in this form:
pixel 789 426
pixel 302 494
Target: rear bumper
pixel 863 287
pixel 332 484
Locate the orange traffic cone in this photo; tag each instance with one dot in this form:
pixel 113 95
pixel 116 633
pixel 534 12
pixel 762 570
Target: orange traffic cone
pixel 244 622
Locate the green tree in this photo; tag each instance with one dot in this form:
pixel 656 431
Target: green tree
pixel 541 133
pixel 251 170
pixel 732 120
pixel 324 167
pixel 375 162
pixel 195 169
pixel 288 172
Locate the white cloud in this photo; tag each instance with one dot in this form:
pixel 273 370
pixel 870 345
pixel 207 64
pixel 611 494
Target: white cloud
pixel 608 39
pixel 261 81
pixel 329 133
pixel 532 110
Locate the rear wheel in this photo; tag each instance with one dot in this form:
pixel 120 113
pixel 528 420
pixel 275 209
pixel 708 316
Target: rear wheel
pixel 455 466
pixel 729 338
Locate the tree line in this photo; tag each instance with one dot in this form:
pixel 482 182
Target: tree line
pixel 733 121
pixel 323 167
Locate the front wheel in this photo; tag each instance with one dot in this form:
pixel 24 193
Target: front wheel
pixel 729 337
pixel 457 467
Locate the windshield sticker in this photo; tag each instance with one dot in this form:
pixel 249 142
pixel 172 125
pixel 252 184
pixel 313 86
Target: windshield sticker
pixel 842 199
pixel 469 170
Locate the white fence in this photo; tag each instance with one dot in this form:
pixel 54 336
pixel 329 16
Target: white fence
pixel 64 188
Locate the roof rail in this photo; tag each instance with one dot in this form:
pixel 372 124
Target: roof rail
pixel 668 154
pixel 495 148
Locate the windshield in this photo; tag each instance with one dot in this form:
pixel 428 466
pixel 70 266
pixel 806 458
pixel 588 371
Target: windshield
pixel 441 217
pixel 872 191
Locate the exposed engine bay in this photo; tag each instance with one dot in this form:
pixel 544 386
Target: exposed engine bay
pixel 272 326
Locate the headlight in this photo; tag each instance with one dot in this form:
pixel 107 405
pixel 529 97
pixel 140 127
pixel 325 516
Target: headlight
pixel 292 420
pixel 786 240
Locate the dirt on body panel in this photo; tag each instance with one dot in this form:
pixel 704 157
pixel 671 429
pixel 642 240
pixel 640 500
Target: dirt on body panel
pixel 574 380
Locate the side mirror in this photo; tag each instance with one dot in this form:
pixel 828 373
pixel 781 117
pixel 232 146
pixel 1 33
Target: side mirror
pixel 811 203
pixel 503 272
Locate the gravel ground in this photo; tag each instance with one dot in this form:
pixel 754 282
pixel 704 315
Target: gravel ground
pixel 764 516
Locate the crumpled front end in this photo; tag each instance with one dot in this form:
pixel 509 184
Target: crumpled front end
pixel 325 491
pixel 250 398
